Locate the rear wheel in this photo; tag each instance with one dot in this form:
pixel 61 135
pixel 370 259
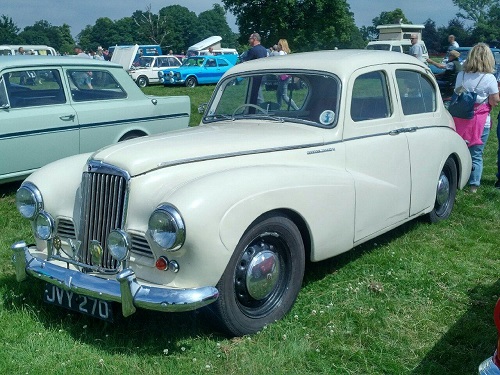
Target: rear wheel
pixel 263 278
pixel 142 81
pixel 191 82
pixel 446 191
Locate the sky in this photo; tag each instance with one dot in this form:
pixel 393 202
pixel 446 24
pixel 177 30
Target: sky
pixel 78 14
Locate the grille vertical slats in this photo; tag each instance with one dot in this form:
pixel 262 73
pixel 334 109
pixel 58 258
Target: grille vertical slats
pixel 104 197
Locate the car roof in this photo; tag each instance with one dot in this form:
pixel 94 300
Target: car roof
pixel 40 61
pixel 340 62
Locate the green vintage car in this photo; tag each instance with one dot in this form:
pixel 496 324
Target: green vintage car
pixel 53 107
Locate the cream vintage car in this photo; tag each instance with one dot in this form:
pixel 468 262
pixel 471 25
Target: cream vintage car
pixel 224 215
pixel 53 107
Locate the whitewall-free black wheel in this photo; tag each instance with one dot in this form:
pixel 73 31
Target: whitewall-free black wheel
pixel 446 190
pixel 142 81
pixel 191 82
pixel 263 278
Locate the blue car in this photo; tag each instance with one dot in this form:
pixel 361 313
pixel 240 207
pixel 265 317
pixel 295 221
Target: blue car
pixel 197 70
pixel 464 52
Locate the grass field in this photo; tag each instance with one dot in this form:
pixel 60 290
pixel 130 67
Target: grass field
pixel 418 300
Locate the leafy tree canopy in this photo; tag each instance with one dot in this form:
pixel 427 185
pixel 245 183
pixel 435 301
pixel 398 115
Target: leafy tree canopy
pixel 302 23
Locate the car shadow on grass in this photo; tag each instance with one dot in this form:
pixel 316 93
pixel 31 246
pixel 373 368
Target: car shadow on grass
pixel 143 332
pixel 318 270
pixel 469 341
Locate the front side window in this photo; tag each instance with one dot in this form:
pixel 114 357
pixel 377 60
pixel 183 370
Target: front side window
pixel 87 85
pixel 31 88
pixel 370 97
pixel 417 92
pixel 193 61
pixel 307 98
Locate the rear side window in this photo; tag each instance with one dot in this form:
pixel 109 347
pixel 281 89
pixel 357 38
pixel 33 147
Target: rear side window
pixel 88 85
pixel 370 97
pixel 417 92
pixel 32 88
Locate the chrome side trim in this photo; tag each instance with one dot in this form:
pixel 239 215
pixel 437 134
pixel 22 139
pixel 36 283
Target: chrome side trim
pixel 125 289
pixel 172 163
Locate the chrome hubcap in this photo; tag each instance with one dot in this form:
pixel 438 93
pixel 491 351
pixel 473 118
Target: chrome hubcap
pixel 262 274
pixel 443 190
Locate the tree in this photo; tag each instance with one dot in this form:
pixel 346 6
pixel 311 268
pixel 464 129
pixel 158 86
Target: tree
pixel 107 33
pixel 183 27
pixel 431 36
pixel 8 31
pixel 386 18
pixel 151 27
pixel 302 23
pixel 213 22
pixel 42 32
pixel 475 10
pixel 455 27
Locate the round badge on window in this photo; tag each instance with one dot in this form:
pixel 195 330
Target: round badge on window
pixel 327 117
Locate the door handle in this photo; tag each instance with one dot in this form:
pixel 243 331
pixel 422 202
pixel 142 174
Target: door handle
pixel 67 118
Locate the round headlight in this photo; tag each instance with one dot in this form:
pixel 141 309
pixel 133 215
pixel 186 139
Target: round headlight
pixel 29 200
pixel 170 73
pixel 166 227
pixel 160 74
pixel 44 226
pixel 118 244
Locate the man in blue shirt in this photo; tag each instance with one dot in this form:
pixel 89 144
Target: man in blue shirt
pixel 257 51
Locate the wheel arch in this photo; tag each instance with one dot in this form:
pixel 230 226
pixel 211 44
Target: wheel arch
pixel 296 218
pixel 460 171
pixel 129 134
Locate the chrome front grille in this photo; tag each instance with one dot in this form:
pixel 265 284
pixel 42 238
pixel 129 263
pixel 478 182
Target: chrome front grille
pixel 104 202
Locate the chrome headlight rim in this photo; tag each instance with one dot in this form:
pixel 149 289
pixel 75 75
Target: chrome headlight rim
pixel 37 200
pixel 119 244
pixel 171 215
pixel 44 220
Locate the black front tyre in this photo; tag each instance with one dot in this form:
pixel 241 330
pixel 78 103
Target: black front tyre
pixel 191 82
pixel 263 277
pixel 142 81
pixel 446 191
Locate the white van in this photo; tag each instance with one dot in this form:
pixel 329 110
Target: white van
pixel 29 49
pixel 402 46
pixel 201 48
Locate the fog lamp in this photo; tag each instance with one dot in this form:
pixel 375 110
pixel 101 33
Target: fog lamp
pixel 119 244
pixel 44 226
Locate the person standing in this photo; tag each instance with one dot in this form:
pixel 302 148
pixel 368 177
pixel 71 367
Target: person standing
pixel 416 49
pixel 477 77
pixel 284 79
pixel 453 43
pixel 257 50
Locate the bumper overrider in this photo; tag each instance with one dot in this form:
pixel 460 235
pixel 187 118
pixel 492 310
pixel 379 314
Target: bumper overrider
pixel 125 289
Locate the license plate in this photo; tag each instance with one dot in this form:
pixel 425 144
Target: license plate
pixel 83 304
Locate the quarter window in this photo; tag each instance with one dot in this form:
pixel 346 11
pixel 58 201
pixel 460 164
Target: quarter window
pixel 370 97
pixel 31 88
pixel 417 92
pixel 88 85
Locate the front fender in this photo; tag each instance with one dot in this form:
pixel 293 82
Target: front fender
pixel 219 208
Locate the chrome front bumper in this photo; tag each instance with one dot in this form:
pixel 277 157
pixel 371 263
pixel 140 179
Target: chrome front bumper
pixel 125 289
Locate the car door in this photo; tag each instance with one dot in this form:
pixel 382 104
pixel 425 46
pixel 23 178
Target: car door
pixel 106 112
pixel 377 153
pixel 419 103
pixel 37 123
pixel 210 72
